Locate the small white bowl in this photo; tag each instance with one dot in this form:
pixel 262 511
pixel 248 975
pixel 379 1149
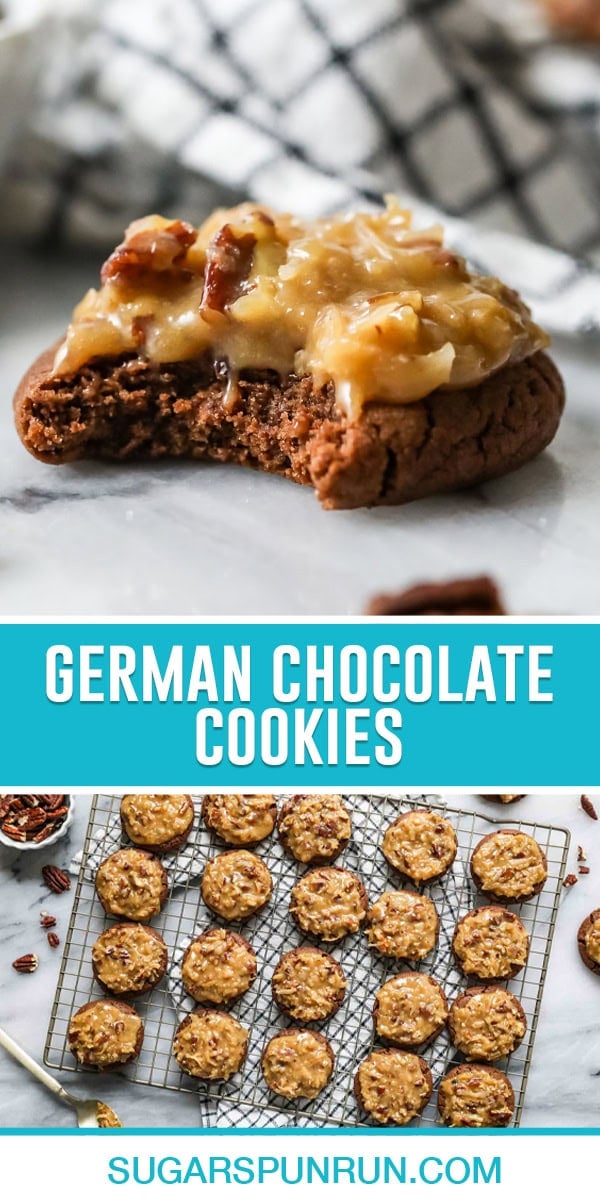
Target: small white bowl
pixel 49 841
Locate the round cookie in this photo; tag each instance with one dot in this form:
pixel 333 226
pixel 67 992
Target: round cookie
pixel 132 883
pixel 474 1097
pixel 588 941
pixel 236 884
pixel 393 1086
pixel 504 797
pixel 410 1010
pixel 509 866
pixel 157 823
pixel 105 1033
pixel 240 820
pixel 129 959
pixel 314 829
pixel 421 845
pixel 218 967
pixel 486 1023
pixel 297 1063
pixel 308 984
pixel 403 925
pixel 329 902
pixel 491 944
pixel 210 1044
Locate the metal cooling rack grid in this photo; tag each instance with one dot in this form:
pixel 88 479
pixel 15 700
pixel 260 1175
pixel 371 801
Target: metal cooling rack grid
pixel 245 1098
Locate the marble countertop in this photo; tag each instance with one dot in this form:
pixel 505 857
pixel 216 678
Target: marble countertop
pixel 564 1084
pixel 198 539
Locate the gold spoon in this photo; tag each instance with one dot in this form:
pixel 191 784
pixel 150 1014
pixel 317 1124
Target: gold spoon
pixel 91 1114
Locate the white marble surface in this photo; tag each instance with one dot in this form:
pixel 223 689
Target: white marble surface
pixel 564 1084
pixel 189 538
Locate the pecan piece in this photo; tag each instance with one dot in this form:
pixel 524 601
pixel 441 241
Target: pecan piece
pixel 150 248
pixel 14 832
pixel 581 854
pixel 53 940
pixel 459 597
pixel 26 964
pixel 47 921
pixel 228 265
pixel 569 881
pixel 588 808
pixel 58 881
pixel 584 870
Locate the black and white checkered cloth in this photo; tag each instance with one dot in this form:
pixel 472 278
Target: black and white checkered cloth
pixel 314 105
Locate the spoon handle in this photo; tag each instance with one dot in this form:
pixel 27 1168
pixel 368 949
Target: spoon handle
pixel 32 1066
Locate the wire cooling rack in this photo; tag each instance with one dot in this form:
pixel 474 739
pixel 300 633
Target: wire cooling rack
pixel 245 1099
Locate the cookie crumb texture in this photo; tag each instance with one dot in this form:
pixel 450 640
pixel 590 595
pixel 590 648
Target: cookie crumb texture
pixel 236 884
pixel 297 1064
pixel 410 1010
pixel 329 902
pixel 132 883
pixel 491 943
pixel 218 967
pixel 308 984
pixel 129 959
pixel 392 1086
pixel 210 1045
pixel 487 1023
pixel 509 866
pixel 133 409
pixel 403 925
pixel 240 820
pixel 474 1097
pixel 420 844
pixel 314 829
pixel 105 1033
pixel 157 823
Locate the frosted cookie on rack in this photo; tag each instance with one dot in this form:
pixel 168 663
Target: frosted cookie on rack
pixel 132 883
pixel 393 1086
pixel 421 845
pixel 491 944
pixel 486 1023
pixel 129 959
pixel 105 1033
pixel 588 941
pixel 210 1044
pixel 410 1010
pixel 472 1096
pixel 314 829
pixel 158 823
pixel 297 1063
pixel 236 884
pixel 308 984
pixel 329 902
pixel 240 820
pixel 509 866
pixel 403 925
pixel 218 967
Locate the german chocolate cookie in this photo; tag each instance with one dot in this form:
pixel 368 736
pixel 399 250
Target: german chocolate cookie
pixel 129 959
pixel 105 1033
pixel 132 883
pixel 314 829
pixel 421 845
pixel 157 823
pixel 218 967
pixel 474 1097
pixel 393 1086
pixel 240 820
pixel 210 1044
pixel 487 1023
pixel 329 902
pixel 410 1010
pixel 491 944
pixel 475 597
pixel 351 353
pixel 403 925
pixel 308 984
pixel 236 885
pixel 588 941
pixel 509 866
pixel 297 1063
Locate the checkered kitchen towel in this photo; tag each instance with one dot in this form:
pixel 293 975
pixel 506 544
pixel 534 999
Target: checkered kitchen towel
pixel 177 105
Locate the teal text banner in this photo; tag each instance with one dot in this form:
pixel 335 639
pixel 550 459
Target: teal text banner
pixel 294 705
